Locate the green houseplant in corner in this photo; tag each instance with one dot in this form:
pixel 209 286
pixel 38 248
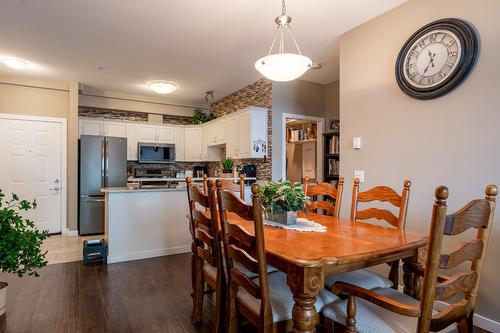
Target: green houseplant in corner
pixel 227 167
pixel 282 200
pixel 20 242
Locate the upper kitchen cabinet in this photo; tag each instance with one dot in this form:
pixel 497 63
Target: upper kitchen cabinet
pixel 155 133
pixel 115 129
pixel 180 143
pixel 193 144
pixel 247 133
pixel 89 126
pixel 216 132
pixel 132 140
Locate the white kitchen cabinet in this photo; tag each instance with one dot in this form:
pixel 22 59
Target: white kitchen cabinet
pixel 147 133
pixel 165 134
pixel 114 128
pixel 180 147
pixel 156 133
pixel 132 140
pixel 216 132
pixel 193 144
pixel 88 126
pixel 247 133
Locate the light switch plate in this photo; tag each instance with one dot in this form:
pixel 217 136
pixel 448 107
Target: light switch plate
pixel 356 143
pixel 360 174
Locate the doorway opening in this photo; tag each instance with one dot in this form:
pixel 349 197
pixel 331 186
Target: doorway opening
pixel 302 147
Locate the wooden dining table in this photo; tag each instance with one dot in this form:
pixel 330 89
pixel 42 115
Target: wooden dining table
pixel 308 257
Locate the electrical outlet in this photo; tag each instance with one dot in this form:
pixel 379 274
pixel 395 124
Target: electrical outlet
pixel 360 174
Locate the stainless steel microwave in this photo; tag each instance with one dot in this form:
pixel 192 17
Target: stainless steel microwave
pixel 156 153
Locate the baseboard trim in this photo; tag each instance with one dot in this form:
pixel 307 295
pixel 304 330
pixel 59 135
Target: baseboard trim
pixel 70 233
pixel 148 254
pixel 479 321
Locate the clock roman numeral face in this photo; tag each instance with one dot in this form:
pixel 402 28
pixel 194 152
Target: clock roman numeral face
pixel 432 58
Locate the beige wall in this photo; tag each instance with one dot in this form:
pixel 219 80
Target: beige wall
pixel 332 103
pixel 297 97
pixel 452 140
pixel 48 99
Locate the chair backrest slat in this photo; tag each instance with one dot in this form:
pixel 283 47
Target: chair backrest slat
pixel 240 279
pixel 473 215
pixel 382 194
pixel 326 190
pixel 244 258
pixel 476 214
pixel 379 214
pixel 466 251
pixel 458 283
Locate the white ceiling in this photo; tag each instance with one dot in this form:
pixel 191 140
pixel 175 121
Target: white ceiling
pixel 200 45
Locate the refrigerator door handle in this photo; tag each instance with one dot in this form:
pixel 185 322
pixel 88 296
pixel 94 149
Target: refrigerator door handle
pixel 90 199
pixel 103 163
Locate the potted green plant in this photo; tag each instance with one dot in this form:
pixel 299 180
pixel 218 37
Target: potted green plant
pixel 20 242
pixel 282 200
pixel 199 117
pixel 227 167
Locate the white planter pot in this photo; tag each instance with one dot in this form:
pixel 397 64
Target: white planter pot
pixel 3 297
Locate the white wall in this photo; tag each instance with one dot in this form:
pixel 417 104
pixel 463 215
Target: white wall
pixel 453 140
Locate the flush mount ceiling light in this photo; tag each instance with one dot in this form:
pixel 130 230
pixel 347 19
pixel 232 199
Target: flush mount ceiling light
pixel 283 66
pixel 162 87
pixel 14 63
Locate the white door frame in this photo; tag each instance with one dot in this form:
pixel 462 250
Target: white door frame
pixel 319 145
pixel 64 137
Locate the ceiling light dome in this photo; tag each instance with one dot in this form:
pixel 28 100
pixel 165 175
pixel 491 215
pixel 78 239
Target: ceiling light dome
pixel 15 63
pixel 283 66
pixel 162 87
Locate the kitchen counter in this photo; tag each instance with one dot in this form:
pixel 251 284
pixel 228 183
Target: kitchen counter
pixel 143 189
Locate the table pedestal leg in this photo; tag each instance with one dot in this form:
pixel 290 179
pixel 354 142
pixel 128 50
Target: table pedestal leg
pixel 305 284
pixel 410 279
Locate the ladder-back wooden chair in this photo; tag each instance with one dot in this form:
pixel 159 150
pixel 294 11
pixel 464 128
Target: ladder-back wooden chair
pixel 229 185
pixel 387 309
pixel 207 267
pixel 381 194
pixel 363 277
pixel 265 301
pixel 328 190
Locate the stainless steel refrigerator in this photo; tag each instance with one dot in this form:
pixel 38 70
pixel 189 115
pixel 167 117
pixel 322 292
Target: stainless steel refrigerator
pixel 103 163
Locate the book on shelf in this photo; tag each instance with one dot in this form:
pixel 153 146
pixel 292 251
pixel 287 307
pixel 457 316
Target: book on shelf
pixel 333 167
pixel 334 145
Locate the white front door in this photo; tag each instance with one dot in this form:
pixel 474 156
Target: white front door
pixel 31 166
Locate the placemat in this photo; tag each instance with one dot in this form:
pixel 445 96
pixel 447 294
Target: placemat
pixel 303 225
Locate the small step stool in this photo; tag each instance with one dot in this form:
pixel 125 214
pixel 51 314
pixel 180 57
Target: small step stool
pixel 95 251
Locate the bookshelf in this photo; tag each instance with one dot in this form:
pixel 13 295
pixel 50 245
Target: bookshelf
pixel 331 157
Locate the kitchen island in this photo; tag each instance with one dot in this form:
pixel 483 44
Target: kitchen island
pixel 147 222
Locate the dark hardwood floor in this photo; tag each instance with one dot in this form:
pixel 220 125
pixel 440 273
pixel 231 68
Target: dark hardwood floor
pixel 151 295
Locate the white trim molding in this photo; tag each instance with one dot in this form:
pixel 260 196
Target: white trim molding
pixel 319 142
pixel 148 254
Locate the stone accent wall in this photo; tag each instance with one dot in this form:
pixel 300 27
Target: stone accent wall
pixel 91 112
pixel 258 93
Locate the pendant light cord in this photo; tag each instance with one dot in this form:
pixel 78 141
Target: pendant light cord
pixel 281 31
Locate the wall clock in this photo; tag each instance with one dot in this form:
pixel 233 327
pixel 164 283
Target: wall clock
pixel 437 58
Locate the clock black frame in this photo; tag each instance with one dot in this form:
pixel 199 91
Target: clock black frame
pixel 468 37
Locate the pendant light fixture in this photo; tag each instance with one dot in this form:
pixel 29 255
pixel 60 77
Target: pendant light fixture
pixel 282 66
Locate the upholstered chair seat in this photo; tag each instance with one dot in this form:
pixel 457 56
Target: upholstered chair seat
pixel 282 298
pixel 371 318
pixel 362 277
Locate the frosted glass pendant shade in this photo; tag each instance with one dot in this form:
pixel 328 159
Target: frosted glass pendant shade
pixel 283 66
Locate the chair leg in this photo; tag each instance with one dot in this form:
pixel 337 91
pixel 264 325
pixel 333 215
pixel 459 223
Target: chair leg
pixel 328 325
pixel 466 325
pixel 394 274
pixel 351 315
pixel 232 311
pixel 220 308
pixel 199 292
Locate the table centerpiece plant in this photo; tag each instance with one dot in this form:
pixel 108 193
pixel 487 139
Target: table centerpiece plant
pixel 282 200
pixel 20 242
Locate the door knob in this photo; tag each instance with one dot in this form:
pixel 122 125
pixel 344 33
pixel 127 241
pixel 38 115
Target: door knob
pixel 54 188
